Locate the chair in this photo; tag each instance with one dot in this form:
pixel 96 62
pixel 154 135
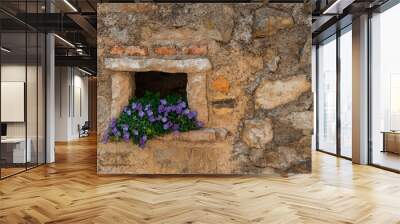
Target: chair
pixel 84 130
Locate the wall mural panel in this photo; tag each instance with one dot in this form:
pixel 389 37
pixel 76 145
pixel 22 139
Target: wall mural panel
pixel 248 69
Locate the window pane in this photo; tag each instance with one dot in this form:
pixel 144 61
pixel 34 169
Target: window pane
pixel 385 84
pixel 327 96
pixel 346 94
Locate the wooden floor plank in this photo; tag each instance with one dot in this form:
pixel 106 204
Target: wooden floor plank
pixel 70 191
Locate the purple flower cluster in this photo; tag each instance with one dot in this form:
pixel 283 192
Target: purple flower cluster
pixel 161 115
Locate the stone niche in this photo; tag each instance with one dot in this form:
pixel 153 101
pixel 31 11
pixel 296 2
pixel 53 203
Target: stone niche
pixel 245 68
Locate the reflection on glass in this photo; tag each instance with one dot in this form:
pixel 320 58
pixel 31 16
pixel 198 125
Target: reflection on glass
pixel 327 96
pixel 385 84
pixel 346 94
pixel 41 99
pixel 22 90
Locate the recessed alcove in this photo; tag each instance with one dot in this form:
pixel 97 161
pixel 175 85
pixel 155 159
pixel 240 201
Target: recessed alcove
pixel 161 82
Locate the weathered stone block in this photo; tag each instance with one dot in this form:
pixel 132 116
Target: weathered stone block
pixel 271 94
pixel 203 135
pixel 193 65
pixel 123 86
pixel 257 133
pixel 269 21
pixel 197 95
pixel 301 120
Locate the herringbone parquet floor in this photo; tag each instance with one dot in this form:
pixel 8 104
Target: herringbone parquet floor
pixel 69 191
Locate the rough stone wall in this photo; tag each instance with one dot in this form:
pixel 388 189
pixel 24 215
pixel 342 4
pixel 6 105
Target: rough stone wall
pixel 258 87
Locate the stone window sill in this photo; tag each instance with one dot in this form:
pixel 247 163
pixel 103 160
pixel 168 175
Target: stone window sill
pixel 202 135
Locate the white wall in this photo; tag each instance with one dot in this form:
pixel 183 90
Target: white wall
pixel 70 83
pixel 16 73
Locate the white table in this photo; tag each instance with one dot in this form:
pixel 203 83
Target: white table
pixel 19 154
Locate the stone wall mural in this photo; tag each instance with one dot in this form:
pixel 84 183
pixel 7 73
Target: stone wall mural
pixel 248 69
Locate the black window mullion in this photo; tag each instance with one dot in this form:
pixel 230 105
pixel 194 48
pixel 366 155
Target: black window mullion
pixel 0 95
pixel 338 76
pixel 26 87
pixel 37 90
pixel 317 97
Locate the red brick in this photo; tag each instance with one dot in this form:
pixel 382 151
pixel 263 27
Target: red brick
pixel 117 50
pixel 136 51
pixel 199 50
pixel 165 51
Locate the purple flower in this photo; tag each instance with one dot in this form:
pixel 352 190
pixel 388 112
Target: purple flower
pixel 166 126
pixel 129 112
pixel 135 132
pixel 186 111
pixel 199 124
pixel 183 104
pixel 158 117
pixel 163 102
pixel 142 141
pixel 113 122
pixel 105 138
pixel 141 113
pixel 139 107
pixel 147 107
pixel 114 131
pixel 167 109
pixel 149 113
pixel 152 119
pixel 133 106
pixel 126 137
pixel 175 127
pixel 125 127
pixel 192 114
pixel 164 119
pixel 178 110
pixel 161 109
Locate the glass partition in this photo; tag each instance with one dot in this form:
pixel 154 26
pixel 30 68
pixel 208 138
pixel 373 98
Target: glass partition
pixel 14 153
pixel 22 77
